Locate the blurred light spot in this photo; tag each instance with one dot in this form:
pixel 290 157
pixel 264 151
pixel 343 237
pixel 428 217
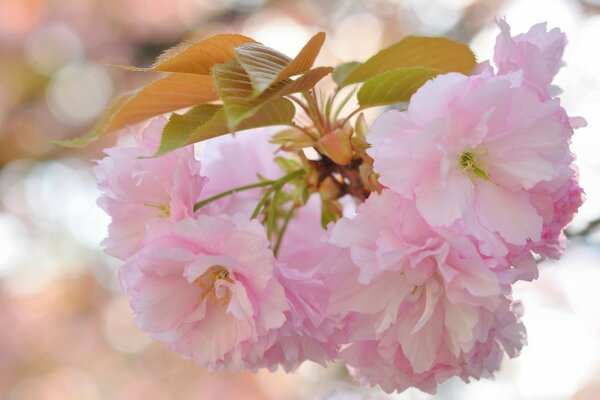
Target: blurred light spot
pixel 277 30
pixel 357 36
pixel 79 93
pixel 435 17
pixel 58 202
pixel 14 239
pixel 73 207
pixel 119 330
pixel 52 46
pixel 522 14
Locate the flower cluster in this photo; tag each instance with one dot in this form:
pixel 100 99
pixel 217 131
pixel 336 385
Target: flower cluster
pixel 228 263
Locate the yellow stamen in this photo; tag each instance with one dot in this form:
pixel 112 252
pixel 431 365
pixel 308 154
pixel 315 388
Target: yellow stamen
pixel 165 211
pixel 470 162
pixel 207 282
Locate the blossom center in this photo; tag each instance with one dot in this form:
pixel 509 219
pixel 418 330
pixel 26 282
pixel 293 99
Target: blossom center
pixel 164 209
pixel 207 283
pixel 470 162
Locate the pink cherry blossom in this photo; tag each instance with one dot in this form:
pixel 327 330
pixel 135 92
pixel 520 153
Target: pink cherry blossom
pixel 137 192
pixel 470 151
pixel 206 287
pixel 232 161
pixel 421 304
pixel 383 362
pixel 538 53
pixel 309 333
pixel 558 209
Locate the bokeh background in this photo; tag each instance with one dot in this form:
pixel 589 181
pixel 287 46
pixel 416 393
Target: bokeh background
pixel 65 329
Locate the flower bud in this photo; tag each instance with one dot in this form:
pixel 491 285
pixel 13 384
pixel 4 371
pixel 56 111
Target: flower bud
pixel 337 146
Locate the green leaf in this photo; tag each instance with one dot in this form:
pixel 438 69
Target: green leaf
pixel 393 87
pixel 174 92
pixel 276 112
pixel 437 53
pixel 266 66
pixel 341 72
pixel 287 165
pixel 301 194
pixel 292 139
pixel 235 89
pixel 207 121
pixel 180 127
pixel 262 65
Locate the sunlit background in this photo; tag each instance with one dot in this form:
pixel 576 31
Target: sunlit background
pixel 65 329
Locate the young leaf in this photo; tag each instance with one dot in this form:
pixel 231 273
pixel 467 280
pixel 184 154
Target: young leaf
pixel 207 121
pixel 301 194
pixel 331 211
pixel 393 87
pixel 305 58
pixel 341 72
pixel 171 93
pixel 181 126
pixel 262 65
pixel 266 66
pixel 292 139
pixel 198 58
pixel 235 89
pixel 336 145
pixel 438 53
pixel 304 82
pixel 287 165
pixel 276 112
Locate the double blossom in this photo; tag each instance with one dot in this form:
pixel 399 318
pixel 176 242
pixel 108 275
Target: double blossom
pixel 414 288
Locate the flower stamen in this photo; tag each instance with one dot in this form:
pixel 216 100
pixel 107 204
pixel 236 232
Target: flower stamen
pixel 208 280
pixel 165 210
pixel 469 162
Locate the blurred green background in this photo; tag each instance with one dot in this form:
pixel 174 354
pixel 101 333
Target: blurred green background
pixel 65 329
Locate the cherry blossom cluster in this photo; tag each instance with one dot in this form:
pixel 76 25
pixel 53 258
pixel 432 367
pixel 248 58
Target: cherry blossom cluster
pixel 410 287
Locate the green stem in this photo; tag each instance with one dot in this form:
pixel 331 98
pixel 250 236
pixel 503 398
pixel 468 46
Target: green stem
pixel 315 114
pixel 272 216
pixel 343 103
pixel 286 221
pixel 353 113
pixel 261 203
pixel 303 130
pixel 276 185
pixel 204 202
